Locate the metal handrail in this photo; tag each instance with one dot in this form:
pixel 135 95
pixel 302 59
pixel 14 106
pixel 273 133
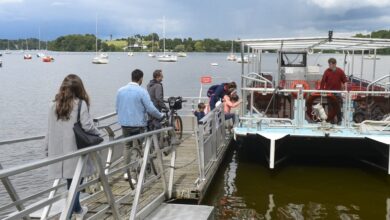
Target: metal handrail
pixel 377 80
pixel 299 109
pixel 210 131
pixel 17 140
pixel 82 155
pixel 48 161
pixel 261 77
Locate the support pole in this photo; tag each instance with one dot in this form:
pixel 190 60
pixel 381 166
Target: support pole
pixel 272 154
pixel 388 168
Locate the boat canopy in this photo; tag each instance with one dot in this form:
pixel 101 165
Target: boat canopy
pixel 316 43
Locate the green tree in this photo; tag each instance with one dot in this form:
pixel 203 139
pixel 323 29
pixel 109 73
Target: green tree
pixel 199 46
pixel 180 48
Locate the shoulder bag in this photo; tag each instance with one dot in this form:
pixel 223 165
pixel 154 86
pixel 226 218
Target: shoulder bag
pixel 84 139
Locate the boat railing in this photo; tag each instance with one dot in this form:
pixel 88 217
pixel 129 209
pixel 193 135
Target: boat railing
pixel 378 80
pixel 373 102
pixel 25 206
pixel 210 136
pixel 256 80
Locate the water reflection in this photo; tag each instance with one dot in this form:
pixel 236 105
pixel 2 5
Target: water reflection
pixel 298 191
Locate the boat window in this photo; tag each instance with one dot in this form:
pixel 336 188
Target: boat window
pixel 293 59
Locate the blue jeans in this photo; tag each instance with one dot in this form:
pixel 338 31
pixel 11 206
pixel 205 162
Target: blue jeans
pixel 76 205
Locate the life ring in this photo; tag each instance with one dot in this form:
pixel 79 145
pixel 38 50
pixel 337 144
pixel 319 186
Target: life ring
pixel 299 84
pixel 332 101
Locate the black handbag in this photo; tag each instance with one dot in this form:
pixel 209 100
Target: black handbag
pixel 83 138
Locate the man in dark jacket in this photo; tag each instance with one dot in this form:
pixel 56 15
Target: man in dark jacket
pixel 156 91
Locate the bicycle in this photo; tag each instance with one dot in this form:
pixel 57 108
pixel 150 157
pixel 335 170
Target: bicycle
pixel 136 155
pixel 174 120
pixel 136 152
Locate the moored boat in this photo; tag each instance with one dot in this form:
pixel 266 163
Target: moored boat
pixel 100 60
pixel 181 54
pixel 167 58
pixel 290 105
pixel 47 59
pixel 27 56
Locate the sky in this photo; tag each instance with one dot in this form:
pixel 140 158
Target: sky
pixel 223 19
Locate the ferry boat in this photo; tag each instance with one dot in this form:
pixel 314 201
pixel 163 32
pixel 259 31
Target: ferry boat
pixel 289 104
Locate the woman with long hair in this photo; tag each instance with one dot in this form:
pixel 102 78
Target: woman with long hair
pixel 60 139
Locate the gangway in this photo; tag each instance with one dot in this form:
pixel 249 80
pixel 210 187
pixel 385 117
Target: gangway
pixel 184 173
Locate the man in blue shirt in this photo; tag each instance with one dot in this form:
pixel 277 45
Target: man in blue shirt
pixel 133 104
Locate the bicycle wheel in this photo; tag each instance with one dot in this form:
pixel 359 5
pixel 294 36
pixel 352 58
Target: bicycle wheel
pixel 178 125
pixel 133 171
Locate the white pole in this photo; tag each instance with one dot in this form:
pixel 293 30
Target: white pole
pixel 200 92
pixel 374 70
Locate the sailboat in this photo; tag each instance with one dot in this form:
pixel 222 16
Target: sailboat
pixel 166 57
pixel 39 54
pixel 101 58
pixel 231 56
pixel 27 56
pixel 7 51
pixel 152 54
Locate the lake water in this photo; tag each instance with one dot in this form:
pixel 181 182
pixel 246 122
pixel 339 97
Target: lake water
pixel 242 186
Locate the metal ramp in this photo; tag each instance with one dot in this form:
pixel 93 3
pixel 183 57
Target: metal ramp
pixel 179 211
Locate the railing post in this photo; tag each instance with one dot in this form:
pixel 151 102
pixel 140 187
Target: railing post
pixel 200 145
pixel 106 187
pixel 12 193
pixel 160 164
pixel 46 210
pixel 141 177
pixel 111 136
pixel 74 188
pixel 215 124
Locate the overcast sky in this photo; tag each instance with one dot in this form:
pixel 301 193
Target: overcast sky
pixel 224 19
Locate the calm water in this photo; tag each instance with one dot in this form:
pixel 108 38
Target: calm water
pixel 243 186
pixel 298 188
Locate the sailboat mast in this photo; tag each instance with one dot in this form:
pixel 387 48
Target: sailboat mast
pixel 96 31
pixel 39 38
pixel 164 32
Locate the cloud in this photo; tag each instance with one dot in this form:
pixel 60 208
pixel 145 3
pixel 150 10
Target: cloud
pixel 59 3
pixel 349 4
pixel 10 1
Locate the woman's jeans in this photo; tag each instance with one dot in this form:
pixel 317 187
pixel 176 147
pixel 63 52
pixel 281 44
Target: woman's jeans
pixel 76 205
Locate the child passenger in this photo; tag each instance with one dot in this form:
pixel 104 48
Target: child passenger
pixel 229 102
pixel 199 113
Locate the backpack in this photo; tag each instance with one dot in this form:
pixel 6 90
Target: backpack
pixel 211 90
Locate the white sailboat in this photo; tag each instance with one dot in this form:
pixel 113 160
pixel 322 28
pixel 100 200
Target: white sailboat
pixel 39 54
pixel 27 56
pixel 231 56
pixel 166 57
pixel 101 58
pixel 152 54
pixel 7 51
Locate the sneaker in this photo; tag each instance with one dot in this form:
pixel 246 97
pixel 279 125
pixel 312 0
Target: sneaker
pixel 84 211
pixel 125 176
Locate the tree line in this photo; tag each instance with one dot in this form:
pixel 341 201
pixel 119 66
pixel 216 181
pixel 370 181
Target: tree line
pixel 142 43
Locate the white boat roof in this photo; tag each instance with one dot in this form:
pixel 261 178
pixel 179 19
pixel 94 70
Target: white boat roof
pixel 320 43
